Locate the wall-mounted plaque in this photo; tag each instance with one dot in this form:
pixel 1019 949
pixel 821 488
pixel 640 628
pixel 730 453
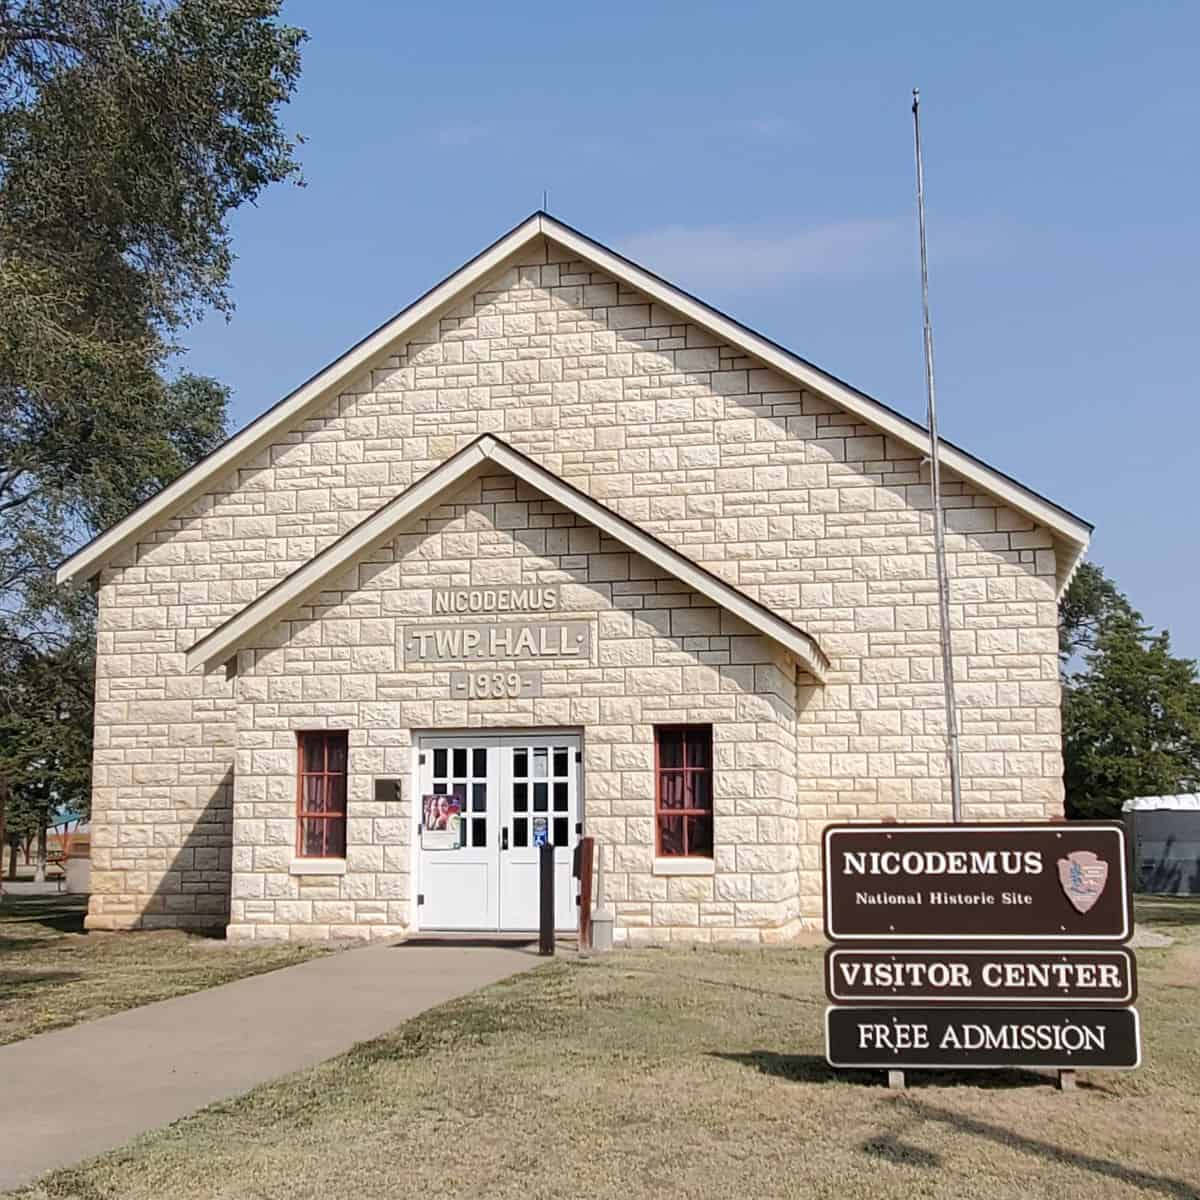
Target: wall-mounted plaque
pixel 387 791
pixel 497 642
pixel 959 975
pixel 495 685
pixel 1065 1039
pixel 1052 881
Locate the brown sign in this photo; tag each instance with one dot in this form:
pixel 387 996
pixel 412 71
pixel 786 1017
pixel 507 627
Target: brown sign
pixel 954 975
pixel 1056 881
pixel 1059 1038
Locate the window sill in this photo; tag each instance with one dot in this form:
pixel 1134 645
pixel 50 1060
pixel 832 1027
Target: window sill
pixel 684 866
pixel 317 866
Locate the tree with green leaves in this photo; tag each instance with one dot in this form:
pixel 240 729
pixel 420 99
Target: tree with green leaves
pixel 130 130
pixel 1131 715
pixel 46 738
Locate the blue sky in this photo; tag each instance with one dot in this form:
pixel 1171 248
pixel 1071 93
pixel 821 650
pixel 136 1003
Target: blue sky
pixel 761 155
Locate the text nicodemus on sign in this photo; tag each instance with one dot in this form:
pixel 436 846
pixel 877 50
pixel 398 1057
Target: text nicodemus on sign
pixel 977 882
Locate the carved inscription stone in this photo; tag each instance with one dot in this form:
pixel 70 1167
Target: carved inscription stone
pixel 512 641
pixel 495 685
pixel 498 600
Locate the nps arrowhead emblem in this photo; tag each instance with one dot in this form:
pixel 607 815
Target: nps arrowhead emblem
pixel 1083 875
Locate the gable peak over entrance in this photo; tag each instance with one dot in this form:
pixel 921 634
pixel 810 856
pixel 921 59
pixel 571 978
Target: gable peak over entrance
pixel 221 643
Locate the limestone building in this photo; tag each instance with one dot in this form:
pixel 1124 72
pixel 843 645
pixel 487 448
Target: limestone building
pixel 559 549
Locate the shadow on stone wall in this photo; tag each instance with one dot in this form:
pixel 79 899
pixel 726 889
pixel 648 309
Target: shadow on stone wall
pixel 193 891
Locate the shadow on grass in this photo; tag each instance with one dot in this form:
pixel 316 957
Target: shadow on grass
pixel 812 1068
pixel 798 1068
pixel 891 1149
pixel 12 983
pixel 1167 910
pixel 62 913
pixel 25 945
pixel 1165 1185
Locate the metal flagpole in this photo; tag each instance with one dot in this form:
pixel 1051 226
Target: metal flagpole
pixel 939 536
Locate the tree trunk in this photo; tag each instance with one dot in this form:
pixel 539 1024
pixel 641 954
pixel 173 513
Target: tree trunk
pixel 12 861
pixel 39 872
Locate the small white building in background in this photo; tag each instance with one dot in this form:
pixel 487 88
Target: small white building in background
pixel 557 550
pixel 1163 835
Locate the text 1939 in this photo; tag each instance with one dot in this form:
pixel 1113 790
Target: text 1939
pixel 495 685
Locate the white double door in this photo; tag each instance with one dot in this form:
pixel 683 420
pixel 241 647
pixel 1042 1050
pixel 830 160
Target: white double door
pixel 506 794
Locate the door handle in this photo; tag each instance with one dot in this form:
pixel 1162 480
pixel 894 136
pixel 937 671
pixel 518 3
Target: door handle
pixel 504 838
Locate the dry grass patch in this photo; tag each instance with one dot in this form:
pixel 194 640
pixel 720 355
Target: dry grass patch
pixel 695 1074
pixel 52 974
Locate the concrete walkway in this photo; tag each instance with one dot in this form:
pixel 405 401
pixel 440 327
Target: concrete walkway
pixel 67 1095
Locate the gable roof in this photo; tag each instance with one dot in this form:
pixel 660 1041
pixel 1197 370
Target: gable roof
pixel 85 562
pixel 220 644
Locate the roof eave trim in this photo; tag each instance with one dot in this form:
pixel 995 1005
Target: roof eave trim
pixel 870 411
pixel 248 441
pixel 754 614
pixel 256 436
pixel 219 645
pixel 222 643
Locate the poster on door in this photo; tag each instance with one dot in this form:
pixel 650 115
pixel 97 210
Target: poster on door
pixel 441 822
pixel 541 831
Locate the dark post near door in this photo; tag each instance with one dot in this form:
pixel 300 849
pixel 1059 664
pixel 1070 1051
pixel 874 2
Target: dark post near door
pixel 546 886
pixel 584 853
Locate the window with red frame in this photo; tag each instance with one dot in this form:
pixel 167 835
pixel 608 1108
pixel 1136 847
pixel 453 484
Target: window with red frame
pixel 683 791
pixel 321 794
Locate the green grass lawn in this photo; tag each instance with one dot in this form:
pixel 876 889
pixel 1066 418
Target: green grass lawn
pixel 682 1073
pixel 53 974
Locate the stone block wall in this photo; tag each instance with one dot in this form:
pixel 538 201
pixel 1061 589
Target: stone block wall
pixel 768 485
pixel 660 654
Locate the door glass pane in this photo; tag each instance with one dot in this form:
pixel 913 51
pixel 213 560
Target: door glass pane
pixel 541 798
pixel 699 835
pixel 541 758
pixel 520 764
pixel 460 761
pixel 560 797
pixel 670 834
pixel 561 758
pixel 561 836
pixel 479 764
pixel 520 832
pixel 460 790
pixel 439 789
pixel 439 762
pixel 520 797
pixel 479 797
pixel 479 831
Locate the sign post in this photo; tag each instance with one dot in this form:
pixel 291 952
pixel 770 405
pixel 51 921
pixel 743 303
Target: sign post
pixel 977 946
